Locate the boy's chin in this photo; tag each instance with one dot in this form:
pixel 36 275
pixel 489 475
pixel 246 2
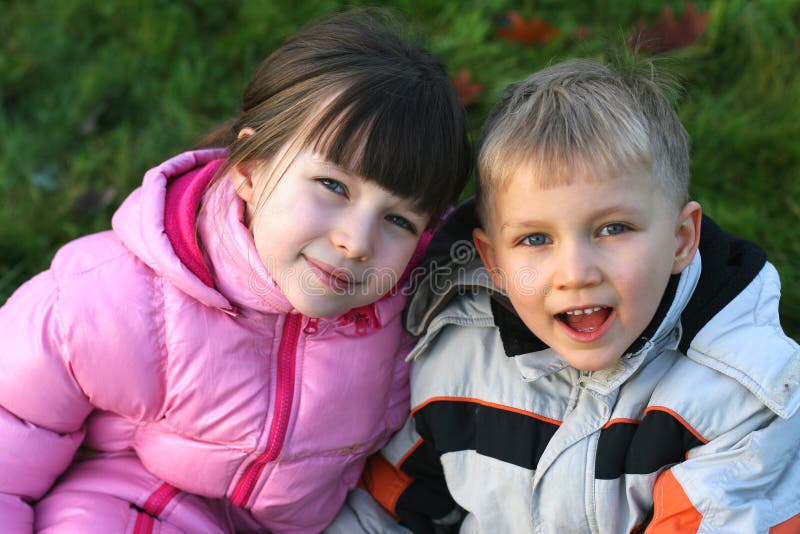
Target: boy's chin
pixel 591 360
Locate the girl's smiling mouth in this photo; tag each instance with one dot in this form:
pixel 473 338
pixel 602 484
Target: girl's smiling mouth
pixel 333 277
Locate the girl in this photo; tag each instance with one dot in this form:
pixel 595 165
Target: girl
pixel 232 350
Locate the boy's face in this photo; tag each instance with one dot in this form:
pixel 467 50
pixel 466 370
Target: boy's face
pixel 585 265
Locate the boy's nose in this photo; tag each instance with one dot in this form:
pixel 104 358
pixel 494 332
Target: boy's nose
pixel 576 268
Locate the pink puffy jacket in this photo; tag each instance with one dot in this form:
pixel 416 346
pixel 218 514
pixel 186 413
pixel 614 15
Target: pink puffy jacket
pixel 203 401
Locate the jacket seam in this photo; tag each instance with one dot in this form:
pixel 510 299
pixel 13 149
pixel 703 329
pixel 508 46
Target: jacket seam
pixel 95 266
pixel 741 377
pixel 63 347
pixel 159 317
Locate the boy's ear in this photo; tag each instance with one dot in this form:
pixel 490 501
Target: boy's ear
pixel 687 235
pixel 487 253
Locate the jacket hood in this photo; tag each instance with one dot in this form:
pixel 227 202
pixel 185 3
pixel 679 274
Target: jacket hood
pixel 141 225
pixel 725 303
pixel 452 266
pixel 158 223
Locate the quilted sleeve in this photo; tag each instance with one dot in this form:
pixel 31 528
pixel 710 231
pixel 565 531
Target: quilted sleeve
pixel 42 408
pixel 735 484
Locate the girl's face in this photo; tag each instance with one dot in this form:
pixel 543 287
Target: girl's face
pixel 331 240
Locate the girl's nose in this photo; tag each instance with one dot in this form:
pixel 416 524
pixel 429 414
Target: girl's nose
pixel 354 237
pixel 576 267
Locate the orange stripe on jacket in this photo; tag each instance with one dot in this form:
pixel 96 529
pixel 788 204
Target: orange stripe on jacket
pixel 385 482
pixel 673 512
pixel 790 526
pixel 486 403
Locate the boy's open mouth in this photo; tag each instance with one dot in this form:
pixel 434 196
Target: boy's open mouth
pixel 586 320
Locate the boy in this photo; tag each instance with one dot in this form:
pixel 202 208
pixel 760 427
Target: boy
pixel 601 374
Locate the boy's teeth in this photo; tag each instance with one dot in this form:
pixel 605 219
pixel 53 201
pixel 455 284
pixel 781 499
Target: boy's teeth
pixel 586 311
pixel 586 319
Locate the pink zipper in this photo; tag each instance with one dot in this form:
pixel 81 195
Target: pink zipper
pixel 283 405
pixel 144 524
pixel 155 504
pixel 312 325
pixel 363 318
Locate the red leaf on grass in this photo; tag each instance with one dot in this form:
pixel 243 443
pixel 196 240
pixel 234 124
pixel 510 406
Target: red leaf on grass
pixel 581 32
pixel 468 91
pixel 670 33
pixel 513 27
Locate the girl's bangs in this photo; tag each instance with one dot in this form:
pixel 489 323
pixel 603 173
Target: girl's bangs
pixel 386 139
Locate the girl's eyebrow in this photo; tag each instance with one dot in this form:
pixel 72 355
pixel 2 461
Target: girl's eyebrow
pixel 332 167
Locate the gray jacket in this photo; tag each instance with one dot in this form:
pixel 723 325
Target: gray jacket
pixel 698 422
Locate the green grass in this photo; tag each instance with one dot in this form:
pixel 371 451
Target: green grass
pixel 93 94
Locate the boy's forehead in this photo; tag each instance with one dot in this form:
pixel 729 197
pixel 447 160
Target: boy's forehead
pixel 527 180
pixel 523 189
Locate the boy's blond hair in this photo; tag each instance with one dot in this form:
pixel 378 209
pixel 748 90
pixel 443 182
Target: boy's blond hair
pixel 582 119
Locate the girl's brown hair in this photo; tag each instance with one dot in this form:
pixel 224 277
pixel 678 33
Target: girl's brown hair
pixel 365 99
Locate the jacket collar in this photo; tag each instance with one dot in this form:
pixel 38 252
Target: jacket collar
pixel 451 267
pixel 535 359
pixel 721 311
pixel 518 339
pixel 225 258
pixel 141 225
pixel 729 265
pixel 181 202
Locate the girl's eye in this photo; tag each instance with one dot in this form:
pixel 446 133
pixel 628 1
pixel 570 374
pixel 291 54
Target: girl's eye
pixel 536 240
pixel 333 185
pixel 613 229
pixel 402 222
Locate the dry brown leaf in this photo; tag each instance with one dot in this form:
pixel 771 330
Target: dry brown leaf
pixel 527 32
pixel 468 91
pixel 670 33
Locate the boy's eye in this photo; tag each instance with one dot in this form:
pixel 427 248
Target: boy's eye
pixel 402 222
pixel 536 240
pixel 613 229
pixel 333 185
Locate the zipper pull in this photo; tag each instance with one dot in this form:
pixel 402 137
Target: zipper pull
pixel 233 311
pixel 584 378
pixel 311 325
pixel 363 318
pixel 361 324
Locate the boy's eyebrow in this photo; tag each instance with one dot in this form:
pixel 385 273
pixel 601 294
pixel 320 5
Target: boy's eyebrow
pixel 626 209
pixel 524 223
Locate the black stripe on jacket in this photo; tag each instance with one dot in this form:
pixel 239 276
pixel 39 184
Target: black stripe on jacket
pixel 661 439
pixel 504 434
pixel 452 425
